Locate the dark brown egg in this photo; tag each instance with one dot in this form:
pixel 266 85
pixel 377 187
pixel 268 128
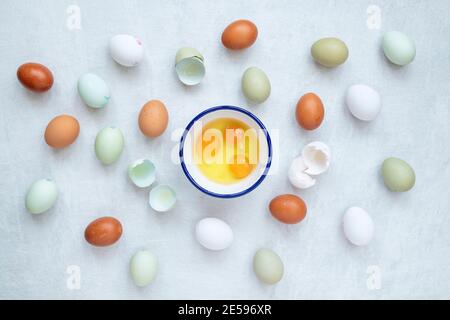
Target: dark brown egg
pixel 35 76
pixel 103 231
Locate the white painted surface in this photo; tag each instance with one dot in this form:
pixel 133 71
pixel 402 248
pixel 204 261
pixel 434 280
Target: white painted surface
pixel 411 246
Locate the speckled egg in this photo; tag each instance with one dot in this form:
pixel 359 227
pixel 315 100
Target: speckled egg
pixel 153 118
pixel 62 131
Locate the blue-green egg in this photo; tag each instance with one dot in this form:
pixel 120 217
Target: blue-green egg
pixel 398 48
pixel 109 145
pixel 93 90
pixel 268 266
pixel 41 196
pixel 143 267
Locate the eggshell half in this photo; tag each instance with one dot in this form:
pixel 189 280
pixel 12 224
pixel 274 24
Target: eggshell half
pixel 162 198
pixel 142 173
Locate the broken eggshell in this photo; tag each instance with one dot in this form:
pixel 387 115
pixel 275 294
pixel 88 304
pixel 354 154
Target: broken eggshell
pixel 142 173
pixel 297 175
pixel 316 156
pixel 189 65
pixel 162 198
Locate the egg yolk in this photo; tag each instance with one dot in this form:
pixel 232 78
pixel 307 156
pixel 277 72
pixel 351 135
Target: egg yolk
pixel 240 169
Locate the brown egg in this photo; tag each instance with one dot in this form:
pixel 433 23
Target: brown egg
pixel 35 76
pixel 153 118
pixel 62 131
pixel 288 208
pixel 309 111
pixel 103 231
pixel 240 34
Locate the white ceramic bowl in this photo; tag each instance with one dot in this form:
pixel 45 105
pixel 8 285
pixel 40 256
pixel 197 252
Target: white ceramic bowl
pixel 242 187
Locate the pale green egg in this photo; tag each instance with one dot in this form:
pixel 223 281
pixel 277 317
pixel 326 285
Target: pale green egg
pixel 398 48
pixel 109 145
pixel 398 175
pixel 93 90
pixel 255 85
pixel 143 267
pixel 329 52
pixel 41 196
pixel 268 266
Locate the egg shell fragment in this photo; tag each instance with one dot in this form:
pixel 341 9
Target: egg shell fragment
pixel 142 173
pixel 398 48
pixel 103 231
pixel 189 66
pixel 316 156
pixel 358 226
pixel 239 35
pixel 62 131
pixel 143 268
pixel 109 145
pixel 35 77
pixel 126 50
pixel 93 90
pixel 213 234
pixel 363 101
pixel 162 198
pixel 268 266
pixel 329 52
pixel 41 196
pixel 153 118
pixel 297 176
pixel 309 111
pixel 255 85
pixel 288 208
pixel 398 175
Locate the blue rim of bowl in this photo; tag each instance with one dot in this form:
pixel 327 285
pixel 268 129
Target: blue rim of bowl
pixel 269 147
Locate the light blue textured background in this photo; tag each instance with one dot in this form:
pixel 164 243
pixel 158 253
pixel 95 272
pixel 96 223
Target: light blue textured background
pixel 412 238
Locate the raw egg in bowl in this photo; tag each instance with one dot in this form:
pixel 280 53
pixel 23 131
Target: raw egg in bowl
pixel 225 151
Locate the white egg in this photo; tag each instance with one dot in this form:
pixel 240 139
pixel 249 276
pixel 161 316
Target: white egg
pixel 297 175
pixel 214 234
pixel 363 101
pixel 162 198
pixel 126 50
pixel 143 267
pixel 358 226
pixel 316 156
